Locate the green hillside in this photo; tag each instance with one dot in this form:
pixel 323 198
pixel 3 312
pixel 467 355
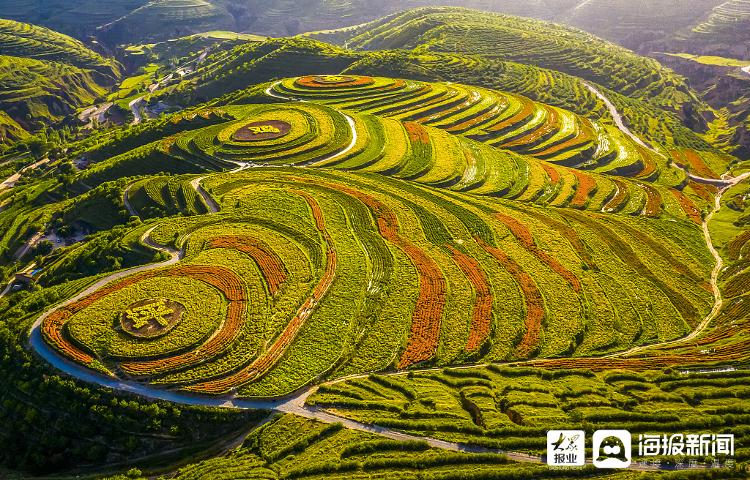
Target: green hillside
pixel 36 92
pixel 30 41
pixel 45 76
pixel 10 130
pixel 225 71
pixel 80 18
pixel 405 249
pixel 464 242
pixel 526 41
pixel 163 19
pixel 632 23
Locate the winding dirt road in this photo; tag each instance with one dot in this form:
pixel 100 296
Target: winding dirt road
pixel 213 207
pixel 724 184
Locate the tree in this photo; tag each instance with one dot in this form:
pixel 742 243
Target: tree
pixel 43 248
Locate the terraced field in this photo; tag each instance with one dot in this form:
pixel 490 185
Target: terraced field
pixel 728 21
pixel 394 266
pixel 507 121
pixel 24 40
pixel 522 40
pixel 34 92
pixel 44 76
pixel 181 17
pixel 323 137
pixel 448 277
pixel 512 408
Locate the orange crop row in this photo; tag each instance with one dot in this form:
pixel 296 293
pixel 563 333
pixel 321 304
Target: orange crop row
pixel 688 206
pixel 269 263
pixel 417 132
pixel 314 81
pixel 551 124
pixel 552 172
pixel 526 239
pixel 52 331
pixel 428 312
pixel 706 192
pixel 585 187
pixel 532 295
pixel 697 165
pixel 276 351
pixel 481 318
pixel 472 100
pixel 649 164
pixel 527 108
pixel 653 201
pixel 478 120
pixel 231 286
pixel 583 136
pixel 621 195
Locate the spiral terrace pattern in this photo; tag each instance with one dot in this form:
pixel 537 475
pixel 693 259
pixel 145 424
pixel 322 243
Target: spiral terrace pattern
pixel 380 239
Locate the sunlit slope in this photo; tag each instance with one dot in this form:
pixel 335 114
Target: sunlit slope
pixel 470 253
pixel 526 41
pixel 45 75
pixel 506 121
pixel 35 92
pixel 323 137
pixel 31 41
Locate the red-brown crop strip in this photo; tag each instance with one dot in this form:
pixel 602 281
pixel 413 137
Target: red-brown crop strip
pixel 549 127
pixel 527 109
pixel 584 189
pixel 269 263
pixel 52 331
pixel 583 136
pixel 649 164
pixel 479 120
pixel 417 133
pixel 320 83
pixel 696 163
pixel 532 296
pixel 221 278
pixel 275 352
pixel 653 201
pixel 706 192
pixel 481 318
pixel 621 196
pixel 526 239
pixel 552 172
pixel 428 312
pixel 688 206
pixel 233 289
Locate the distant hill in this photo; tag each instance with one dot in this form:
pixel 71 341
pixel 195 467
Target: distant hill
pixel 44 76
pixel 729 22
pixel 628 22
pixel 79 18
pixel 527 41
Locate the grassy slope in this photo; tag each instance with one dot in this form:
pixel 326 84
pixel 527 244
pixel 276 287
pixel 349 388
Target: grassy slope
pixel 527 41
pixel 45 75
